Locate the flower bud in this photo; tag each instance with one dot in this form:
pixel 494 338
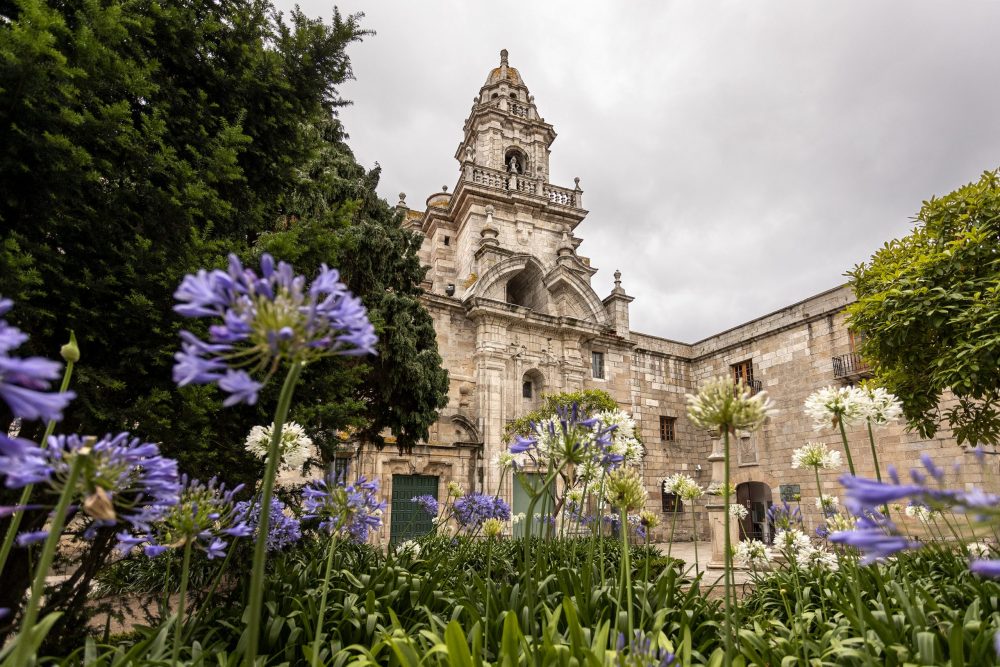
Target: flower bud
pixel 70 352
pixel 99 506
pixel 492 527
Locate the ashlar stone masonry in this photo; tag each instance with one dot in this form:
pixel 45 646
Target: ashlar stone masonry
pixel 516 316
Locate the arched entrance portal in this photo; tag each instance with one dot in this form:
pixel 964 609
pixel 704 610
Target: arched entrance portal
pixel 756 497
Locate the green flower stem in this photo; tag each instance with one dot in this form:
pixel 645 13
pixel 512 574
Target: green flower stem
pixel 600 526
pixel 626 567
pixel 694 538
pixel 182 601
pixel 487 582
pixel 727 541
pixel 322 600
pixel 215 583
pixel 165 600
pixel 256 601
pixel 878 471
pixel 20 654
pixel 673 525
pixel 15 519
pixel 847 448
pixel 871 441
pixel 645 583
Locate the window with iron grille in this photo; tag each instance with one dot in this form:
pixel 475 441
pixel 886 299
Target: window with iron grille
pixel 667 428
pixel 526 389
pixel 597 364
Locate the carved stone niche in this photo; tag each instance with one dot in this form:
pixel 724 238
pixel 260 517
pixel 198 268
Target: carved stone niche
pixel 746 448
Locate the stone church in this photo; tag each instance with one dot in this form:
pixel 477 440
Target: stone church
pixel 516 317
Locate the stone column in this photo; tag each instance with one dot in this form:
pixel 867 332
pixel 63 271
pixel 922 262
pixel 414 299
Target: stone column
pixel 717 509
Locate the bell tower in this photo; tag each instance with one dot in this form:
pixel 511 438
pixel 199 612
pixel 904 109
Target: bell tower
pixel 504 131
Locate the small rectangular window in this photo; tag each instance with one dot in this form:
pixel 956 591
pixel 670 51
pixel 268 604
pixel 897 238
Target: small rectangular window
pixel 526 390
pixel 447 240
pixel 743 372
pixel 672 503
pixel 667 428
pixel 342 468
pixel 597 364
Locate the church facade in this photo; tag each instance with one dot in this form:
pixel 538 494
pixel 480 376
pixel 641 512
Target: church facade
pixel 516 317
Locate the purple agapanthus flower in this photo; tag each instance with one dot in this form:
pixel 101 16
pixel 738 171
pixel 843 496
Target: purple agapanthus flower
pixel 472 509
pixel 784 516
pixel 124 481
pixel 25 382
pixel 263 319
pixel 205 516
pixel 353 510
pixel 427 503
pixel 282 530
pixel 641 651
pixel 875 535
pixel 863 494
pixel 571 437
pixel 986 568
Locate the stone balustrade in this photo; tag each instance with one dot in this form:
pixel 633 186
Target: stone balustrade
pixel 499 180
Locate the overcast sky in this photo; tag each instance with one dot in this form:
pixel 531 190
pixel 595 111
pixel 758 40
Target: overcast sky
pixel 735 157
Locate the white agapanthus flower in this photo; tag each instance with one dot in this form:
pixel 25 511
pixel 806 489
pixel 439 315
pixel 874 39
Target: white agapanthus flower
pixel 623 440
pixel 816 455
pixel 752 553
pixel 821 557
pixel 518 518
pixel 883 407
pixel 979 549
pixel 722 405
pixel 684 486
pixel 825 406
pixel 295 446
pixel 838 522
pixel 791 542
pixel 504 460
pixel 828 503
pixel 575 496
pixel 409 547
pixel 922 512
pixel 738 511
pixel 674 483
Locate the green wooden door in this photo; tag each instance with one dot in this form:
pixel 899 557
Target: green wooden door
pixel 409 520
pixel 522 497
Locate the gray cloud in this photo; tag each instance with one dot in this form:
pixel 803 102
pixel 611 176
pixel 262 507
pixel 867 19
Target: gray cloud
pixel 736 156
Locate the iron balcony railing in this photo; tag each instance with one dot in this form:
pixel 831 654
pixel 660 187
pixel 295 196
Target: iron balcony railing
pixel 753 385
pixel 849 365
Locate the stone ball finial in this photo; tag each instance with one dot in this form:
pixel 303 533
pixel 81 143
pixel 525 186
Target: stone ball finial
pixel 618 277
pixel 503 57
pixel 444 188
pixel 576 181
pixel 402 199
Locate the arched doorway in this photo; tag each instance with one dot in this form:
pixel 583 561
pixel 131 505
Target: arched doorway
pixel 756 497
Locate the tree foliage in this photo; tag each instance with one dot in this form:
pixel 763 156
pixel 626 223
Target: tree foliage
pixel 929 307
pixel 587 401
pixel 140 141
